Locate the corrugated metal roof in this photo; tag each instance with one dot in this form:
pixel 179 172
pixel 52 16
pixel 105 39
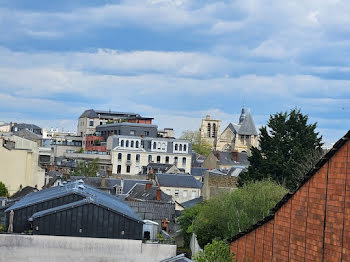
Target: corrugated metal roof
pixel 79 188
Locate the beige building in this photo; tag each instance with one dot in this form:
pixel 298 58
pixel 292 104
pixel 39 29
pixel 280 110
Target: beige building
pixel 19 163
pixel 182 187
pixel 238 137
pixel 216 183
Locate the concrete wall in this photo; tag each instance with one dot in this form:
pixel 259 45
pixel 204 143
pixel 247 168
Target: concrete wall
pixel 54 248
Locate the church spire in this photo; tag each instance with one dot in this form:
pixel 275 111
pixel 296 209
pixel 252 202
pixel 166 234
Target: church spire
pixel 242 117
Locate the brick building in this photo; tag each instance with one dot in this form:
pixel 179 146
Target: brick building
pixel 310 224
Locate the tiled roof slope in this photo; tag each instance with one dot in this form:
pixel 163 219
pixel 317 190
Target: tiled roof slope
pixel 307 177
pixel 248 127
pixel 178 180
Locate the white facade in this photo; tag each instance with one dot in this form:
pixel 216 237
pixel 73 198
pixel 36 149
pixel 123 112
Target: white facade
pixel 182 194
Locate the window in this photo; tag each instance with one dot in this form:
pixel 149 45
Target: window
pixel 120 156
pixel 119 169
pixel 184 161
pixel 180 148
pixel 101 123
pixel 176 193
pixel 149 158
pixel 194 193
pixel 137 144
pixel 119 132
pixel 132 132
pixel 91 123
pixel 122 143
pixel 137 157
pixel 128 157
pixel 127 169
pixel 167 160
pixel 176 147
pixel 154 145
pixel 158 145
pixel 175 160
pixel 185 147
pixel 163 146
pixel 214 130
pixel 184 194
pixel 158 159
pixel 127 143
pixel 146 133
pixel 132 143
pixel 208 130
pixel 168 191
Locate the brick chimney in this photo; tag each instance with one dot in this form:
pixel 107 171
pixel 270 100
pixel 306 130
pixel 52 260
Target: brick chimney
pixel 235 155
pixel 103 182
pixel 68 177
pixel 159 193
pixel 148 186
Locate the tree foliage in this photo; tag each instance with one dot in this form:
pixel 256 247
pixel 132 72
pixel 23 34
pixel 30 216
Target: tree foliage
pixel 218 251
pixel 225 216
pixel 198 144
pixel 3 190
pixel 289 147
pixel 186 223
pixel 86 168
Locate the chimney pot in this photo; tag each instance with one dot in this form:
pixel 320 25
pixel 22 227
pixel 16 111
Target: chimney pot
pixel 148 186
pixel 158 198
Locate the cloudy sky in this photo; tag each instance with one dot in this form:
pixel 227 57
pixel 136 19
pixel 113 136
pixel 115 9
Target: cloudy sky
pixel 175 60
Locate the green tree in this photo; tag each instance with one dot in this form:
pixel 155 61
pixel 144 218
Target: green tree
pixel 186 223
pixel 225 216
pixel 218 251
pixel 289 146
pixel 86 168
pixel 3 190
pixel 198 144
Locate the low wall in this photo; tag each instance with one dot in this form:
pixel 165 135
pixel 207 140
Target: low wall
pixel 55 248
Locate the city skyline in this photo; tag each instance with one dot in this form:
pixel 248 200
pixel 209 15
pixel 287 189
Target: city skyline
pixel 176 61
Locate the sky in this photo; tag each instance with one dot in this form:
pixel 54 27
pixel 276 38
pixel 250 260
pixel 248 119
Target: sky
pixel 176 60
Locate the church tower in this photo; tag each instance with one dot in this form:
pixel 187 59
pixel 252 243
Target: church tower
pixel 210 131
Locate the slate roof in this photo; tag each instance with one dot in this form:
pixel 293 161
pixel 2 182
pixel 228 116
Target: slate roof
pixel 21 193
pixel 233 127
pixel 235 171
pixel 178 180
pixel 289 195
pixel 192 202
pixel 160 166
pixel 227 158
pixel 198 171
pixel 91 113
pixel 26 126
pixel 80 188
pixel 139 192
pixel 27 134
pixel 248 127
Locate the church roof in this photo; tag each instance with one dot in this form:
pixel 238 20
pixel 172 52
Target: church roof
pixel 248 126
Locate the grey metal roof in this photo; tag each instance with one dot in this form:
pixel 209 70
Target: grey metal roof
pixel 248 126
pixel 79 188
pixel 91 113
pixel 198 171
pixel 235 171
pixel 178 180
pixel 139 192
pixel 178 258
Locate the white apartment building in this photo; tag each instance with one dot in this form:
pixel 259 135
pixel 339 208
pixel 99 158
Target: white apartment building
pixel 130 153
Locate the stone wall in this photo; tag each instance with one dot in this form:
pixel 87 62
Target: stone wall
pixel 55 248
pixel 217 184
pixel 313 224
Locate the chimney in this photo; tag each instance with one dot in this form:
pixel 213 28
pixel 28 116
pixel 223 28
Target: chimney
pixel 159 192
pixel 68 177
pixel 103 182
pixel 148 186
pixel 235 155
pixel 122 184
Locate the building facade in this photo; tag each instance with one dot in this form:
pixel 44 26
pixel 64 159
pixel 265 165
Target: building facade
pixel 129 154
pixel 19 163
pixel 238 137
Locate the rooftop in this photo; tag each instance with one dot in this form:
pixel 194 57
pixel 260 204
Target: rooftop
pixel 91 113
pixel 178 180
pixel 139 192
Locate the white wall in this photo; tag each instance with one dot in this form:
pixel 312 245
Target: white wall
pixel 53 248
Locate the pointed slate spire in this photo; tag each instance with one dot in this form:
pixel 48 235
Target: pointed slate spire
pixel 248 126
pixel 241 118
